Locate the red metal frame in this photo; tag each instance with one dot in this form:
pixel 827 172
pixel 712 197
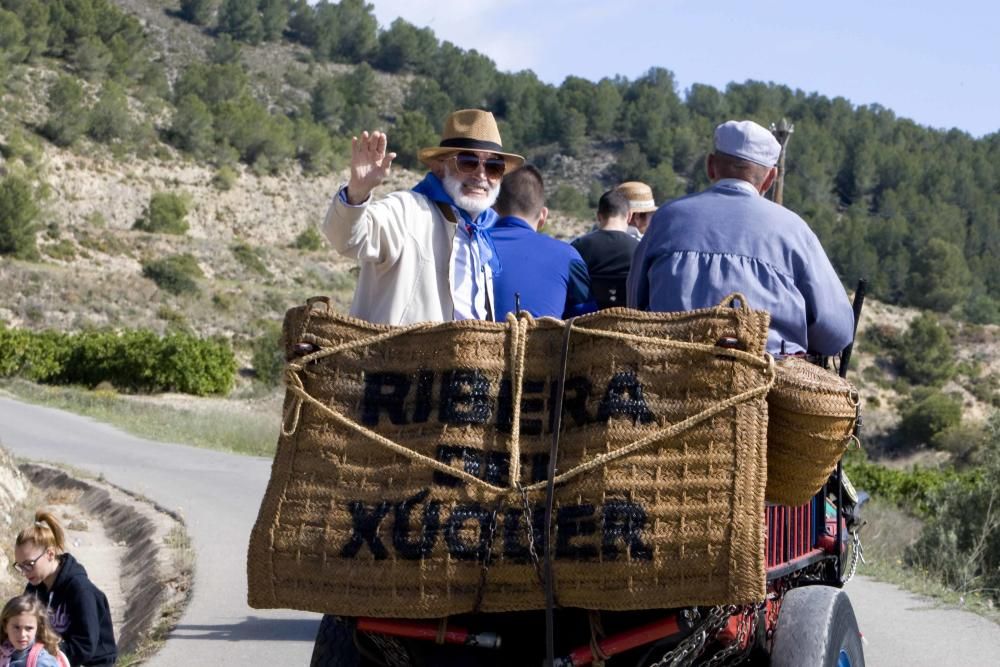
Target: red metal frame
pixel 791 533
pixel 794 538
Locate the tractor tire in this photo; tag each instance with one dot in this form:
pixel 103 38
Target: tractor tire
pixel 335 645
pixel 816 626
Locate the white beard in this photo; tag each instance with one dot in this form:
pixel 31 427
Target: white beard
pixel 472 205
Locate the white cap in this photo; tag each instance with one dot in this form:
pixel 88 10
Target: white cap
pixel 747 140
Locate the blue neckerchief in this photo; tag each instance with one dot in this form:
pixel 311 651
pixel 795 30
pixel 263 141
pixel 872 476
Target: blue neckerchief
pixel 432 188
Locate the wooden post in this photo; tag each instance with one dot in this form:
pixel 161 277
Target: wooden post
pixel 782 132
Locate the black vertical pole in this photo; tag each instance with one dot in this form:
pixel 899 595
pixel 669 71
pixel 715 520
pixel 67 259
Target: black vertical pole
pixel 845 360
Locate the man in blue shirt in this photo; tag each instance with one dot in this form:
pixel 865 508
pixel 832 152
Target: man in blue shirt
pixel 729 238
pixel 545 277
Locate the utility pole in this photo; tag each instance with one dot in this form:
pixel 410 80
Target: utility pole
pixel 782 132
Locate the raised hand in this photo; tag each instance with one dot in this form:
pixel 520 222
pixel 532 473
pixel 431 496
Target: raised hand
pixel 369 165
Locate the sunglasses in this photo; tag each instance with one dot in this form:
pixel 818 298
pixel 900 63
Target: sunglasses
pixel 26 566
pixel 468 163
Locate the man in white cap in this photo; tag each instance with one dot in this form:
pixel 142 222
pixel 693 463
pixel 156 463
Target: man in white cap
pixel 729 238
pixel 425 253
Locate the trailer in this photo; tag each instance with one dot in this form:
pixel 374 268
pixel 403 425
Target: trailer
pixel 806 619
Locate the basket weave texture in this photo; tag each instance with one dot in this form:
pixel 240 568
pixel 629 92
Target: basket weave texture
pixel 811 418
pixel 412 461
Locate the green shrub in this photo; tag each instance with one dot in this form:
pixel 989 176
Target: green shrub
pixel 570 200
pixel 96 219
pixel 67 120
pixel 309 239
pixel 109 119
pixel 224 301
pixel 249 258
pixel 176 321
pixel 35 356
pixel 985 388
pixel 963 441
pixel 225 178
pixel 193 366
pixel 132 360
pixel 926 413
pixel 925 353
pixel 881 338
pixel 874 375
pixel 961 538
pixel 198 12
pixel 176 274
pixel 268 358
pixel 411 133
pixel 18 210
pixel 912 489
pixel 63 250
pixel 165 214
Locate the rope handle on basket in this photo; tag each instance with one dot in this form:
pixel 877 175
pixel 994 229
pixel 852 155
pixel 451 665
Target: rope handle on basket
pixel 297 388
pixel 854 396
pixel 519 325
pixel 313 300
pixel 732 298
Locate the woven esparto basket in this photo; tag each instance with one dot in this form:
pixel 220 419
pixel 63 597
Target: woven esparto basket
pixel 412 462
pixel 811 417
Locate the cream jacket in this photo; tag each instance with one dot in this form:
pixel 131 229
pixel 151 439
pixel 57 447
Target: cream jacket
pixel 404 246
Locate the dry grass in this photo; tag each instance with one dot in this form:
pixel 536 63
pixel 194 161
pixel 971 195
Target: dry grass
pixel 887 533
pixel 244 427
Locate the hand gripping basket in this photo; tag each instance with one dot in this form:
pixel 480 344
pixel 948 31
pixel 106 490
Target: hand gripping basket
pixel 811 418
pixel 409 479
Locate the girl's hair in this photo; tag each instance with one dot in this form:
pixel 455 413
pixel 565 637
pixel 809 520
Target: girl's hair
pixel 44 532
pixel 29 604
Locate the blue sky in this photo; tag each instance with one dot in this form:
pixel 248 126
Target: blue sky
pixel 935 62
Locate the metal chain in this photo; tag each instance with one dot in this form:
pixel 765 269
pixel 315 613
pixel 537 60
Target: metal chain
pixel 686 652
pixel 738 650
pixel 487 556
pixel 857 553
pixel 529 529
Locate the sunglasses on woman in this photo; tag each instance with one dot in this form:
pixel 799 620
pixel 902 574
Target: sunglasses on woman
pixel 468 163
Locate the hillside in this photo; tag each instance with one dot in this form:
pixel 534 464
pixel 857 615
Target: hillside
pixel 251 132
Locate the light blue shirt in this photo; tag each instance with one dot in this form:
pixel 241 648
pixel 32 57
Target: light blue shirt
pixel 700 248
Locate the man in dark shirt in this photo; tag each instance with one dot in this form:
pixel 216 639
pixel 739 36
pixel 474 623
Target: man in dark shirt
pixel 608 250
pixel 538 273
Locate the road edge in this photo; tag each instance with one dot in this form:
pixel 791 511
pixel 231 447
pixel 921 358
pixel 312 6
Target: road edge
pixel 155 596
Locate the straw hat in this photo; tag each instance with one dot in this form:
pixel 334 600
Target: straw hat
pixel 470 130
pixel 639 195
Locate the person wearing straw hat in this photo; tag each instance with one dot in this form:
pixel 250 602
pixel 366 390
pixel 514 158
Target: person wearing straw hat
pixel 425 253
pixel 641 206
pixel 729 238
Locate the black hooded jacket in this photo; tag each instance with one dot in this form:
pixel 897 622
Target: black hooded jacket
pixel 79 612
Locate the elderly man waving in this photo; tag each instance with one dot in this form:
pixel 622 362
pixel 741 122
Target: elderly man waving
pixel 702 247
pixel 425 254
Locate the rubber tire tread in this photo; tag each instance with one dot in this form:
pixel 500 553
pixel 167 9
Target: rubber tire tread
pixel 334 646
pixel 814 624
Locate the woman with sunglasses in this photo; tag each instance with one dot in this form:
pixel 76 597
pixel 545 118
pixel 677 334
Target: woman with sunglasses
pixel 78 610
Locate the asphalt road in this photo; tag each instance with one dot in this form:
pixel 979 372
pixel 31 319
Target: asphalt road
pixel 219 494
